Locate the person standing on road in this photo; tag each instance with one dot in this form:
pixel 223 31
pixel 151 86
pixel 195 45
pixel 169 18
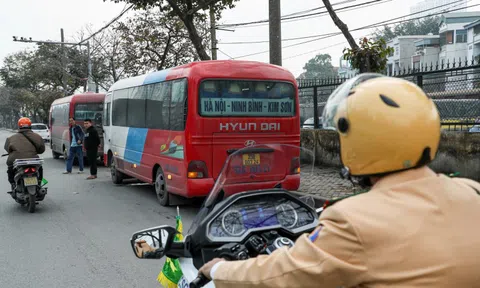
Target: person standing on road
pixel 92 141
pixel 76 141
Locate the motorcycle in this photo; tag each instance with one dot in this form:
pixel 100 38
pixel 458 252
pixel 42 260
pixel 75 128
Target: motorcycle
pixel 29 185
pixel 235 224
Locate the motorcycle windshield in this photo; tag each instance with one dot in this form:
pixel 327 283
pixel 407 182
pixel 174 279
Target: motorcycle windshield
pixel 264 166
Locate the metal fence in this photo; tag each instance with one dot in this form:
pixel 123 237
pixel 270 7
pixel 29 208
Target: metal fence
pixel 454 87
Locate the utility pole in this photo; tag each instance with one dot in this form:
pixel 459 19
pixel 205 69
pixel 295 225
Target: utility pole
pixel 275 26
pixel 213 32
pixel 63 43
pixel 64 63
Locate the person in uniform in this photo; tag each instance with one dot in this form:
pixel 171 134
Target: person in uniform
pixel 410 230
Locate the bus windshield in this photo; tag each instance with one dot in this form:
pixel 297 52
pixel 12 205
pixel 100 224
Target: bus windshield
pixel 91 111
pixel 227 98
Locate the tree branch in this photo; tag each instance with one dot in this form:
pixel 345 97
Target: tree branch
pixel 342 26
pixel 201 6
pixel 165 52
pixel 176 9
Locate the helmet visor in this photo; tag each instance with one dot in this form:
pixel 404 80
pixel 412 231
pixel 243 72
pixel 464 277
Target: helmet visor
pixel 338 95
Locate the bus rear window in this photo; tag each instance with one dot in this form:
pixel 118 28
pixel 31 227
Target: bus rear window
pixel 91 111
pixel 227 98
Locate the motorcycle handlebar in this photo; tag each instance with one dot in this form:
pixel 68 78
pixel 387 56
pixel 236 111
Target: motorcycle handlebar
pixel 200 281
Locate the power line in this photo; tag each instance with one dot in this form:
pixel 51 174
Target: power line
pixel 314 9
pixel 325 14
pixel 264 22
pixel 125 10
pixel 379 24
pixel 337 33
pixel 224 53
pixel 294 38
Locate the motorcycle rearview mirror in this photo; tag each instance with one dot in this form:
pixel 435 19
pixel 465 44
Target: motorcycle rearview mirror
pixel 153 243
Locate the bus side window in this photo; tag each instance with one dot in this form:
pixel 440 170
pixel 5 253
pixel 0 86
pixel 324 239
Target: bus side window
pixel 156 94
pixel 177 116
pixel 119 110
pixel 106 118
pixel 136 107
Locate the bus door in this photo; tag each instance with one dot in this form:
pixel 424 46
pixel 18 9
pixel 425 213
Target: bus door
pixel 106 139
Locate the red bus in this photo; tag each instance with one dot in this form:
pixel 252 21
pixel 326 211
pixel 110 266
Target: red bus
pixel 81 107
pixel 174 128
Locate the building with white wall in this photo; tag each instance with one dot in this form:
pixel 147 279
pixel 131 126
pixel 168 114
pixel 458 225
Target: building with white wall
pixel 473 52
pixel 430 5
pixel 404 48
pixel 473 40
pixel 453 36
pixel 345 69
pixel 427 51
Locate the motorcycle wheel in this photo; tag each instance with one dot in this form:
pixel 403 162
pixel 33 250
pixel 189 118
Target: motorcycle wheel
pixel 31 203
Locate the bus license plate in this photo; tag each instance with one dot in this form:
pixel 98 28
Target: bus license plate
pixel 30 181
pixel 251 159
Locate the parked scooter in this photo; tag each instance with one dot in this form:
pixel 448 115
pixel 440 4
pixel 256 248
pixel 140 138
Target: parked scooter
pixel 249 211
pixel 29 185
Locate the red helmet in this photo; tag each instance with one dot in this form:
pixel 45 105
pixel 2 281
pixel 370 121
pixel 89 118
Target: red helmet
pixel 24 122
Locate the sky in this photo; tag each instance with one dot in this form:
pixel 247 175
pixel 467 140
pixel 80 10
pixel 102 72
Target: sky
pixel 42 20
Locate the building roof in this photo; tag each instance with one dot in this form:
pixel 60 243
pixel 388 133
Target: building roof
pixel 472 24
pixel 446 16
pixel 419 37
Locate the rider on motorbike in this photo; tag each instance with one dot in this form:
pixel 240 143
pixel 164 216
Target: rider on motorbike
pixel 22 145
pixel 409 230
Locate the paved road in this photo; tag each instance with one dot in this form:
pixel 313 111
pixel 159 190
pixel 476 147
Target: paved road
pixel 79 235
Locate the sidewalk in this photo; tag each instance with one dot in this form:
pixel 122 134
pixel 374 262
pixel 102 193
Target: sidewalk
pixel 327 183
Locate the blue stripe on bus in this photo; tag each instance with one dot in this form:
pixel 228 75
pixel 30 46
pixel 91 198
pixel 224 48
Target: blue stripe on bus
pixel 155 77
pixel 135 143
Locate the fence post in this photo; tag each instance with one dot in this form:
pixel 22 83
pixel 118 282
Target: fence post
pixel 420 81
pixel 315 108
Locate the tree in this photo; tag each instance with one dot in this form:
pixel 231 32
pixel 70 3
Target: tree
pixel 369 56
pixel 34 80
pixel 190 12
pixel 319 66
pixel 153 41
pixel 415 27
pixel 19 71
pixel 107 55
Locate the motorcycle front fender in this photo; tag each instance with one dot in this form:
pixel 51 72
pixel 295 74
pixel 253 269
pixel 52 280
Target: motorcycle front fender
pixel 190 272
pixel 32 190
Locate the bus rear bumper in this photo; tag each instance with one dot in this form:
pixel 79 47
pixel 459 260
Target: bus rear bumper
pixel 202 187
pixel 199 187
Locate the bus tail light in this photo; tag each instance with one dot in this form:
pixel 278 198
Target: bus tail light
pixel 197 170
pixel 295 166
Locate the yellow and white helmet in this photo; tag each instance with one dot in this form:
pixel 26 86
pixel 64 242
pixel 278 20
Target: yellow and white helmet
pixel 385 124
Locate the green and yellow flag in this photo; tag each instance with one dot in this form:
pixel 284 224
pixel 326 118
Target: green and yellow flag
pixel 171 272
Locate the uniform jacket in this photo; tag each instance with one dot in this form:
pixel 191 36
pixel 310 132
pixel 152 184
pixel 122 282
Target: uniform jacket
pixel 413 229
pixel 18 146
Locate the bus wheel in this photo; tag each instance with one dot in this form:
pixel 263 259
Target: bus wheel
pixel 117 176
pixel 161 188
